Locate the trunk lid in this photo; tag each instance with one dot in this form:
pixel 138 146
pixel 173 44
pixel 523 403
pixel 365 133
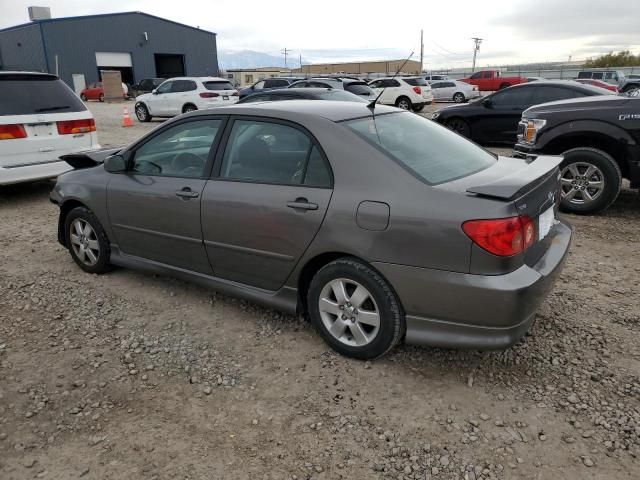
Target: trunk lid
pixel 532 186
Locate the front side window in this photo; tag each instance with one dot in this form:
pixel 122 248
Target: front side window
pixel 512 97
pixel 165 87
pixel 476 75
pixel 436 85
pixel 544 94
pixel 266 152
pixel 376 84
pixel 598 75
pixel 180 151
pixel 275 83
pixel 302 84
pixel 358 88
pixel 431 152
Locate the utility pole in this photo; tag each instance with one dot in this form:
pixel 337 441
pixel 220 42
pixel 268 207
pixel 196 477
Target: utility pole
pixel 476 47
pixel 285 52
pixel 421 51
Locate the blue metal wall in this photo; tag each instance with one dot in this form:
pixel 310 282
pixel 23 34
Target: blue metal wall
pixel 21 49
pixel 75 41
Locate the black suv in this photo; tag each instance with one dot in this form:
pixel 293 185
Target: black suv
pixel 599 138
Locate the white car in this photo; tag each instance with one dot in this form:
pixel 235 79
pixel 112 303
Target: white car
pixel 453 90
pixel 185 94
pixel 435 78
pixel 408 93
pixel 41 118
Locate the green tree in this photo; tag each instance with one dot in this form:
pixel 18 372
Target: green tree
pixel 611 59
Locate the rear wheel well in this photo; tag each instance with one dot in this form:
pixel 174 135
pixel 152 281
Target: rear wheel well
pixel 65 208
pixel 591 140
pixel 188 104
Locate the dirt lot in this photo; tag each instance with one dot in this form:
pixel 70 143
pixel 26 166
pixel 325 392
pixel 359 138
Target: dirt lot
pixel 140 377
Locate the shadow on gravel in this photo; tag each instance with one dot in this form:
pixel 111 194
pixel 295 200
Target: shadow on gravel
pixel 21 192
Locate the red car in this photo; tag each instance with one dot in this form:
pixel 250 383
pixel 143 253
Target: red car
pixel 94 91
pixel 492 80
pixel 598 83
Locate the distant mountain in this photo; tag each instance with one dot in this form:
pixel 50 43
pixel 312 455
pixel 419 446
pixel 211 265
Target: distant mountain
pixel 251 59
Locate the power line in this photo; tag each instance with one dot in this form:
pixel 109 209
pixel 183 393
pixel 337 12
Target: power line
pixel 476 47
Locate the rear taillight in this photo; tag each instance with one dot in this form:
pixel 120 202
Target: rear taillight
pixel 70 127
pixel 209 94
pixel 502 236
pixel 235 94
pixel 11 132
pixel 418 90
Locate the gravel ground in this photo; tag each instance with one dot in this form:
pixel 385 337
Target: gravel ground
pixel 141 377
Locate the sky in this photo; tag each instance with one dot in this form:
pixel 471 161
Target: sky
pixel 514 31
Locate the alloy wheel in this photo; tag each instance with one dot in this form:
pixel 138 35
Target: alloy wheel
pixel 141 113
pixel 349 312
pixel 84 242
pixel 581 183
pixel 404 104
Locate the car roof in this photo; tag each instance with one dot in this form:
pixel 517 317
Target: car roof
pixel 202 79
pixel 6 73
pixel 329 109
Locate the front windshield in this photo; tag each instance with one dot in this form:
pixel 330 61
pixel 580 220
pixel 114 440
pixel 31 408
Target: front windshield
pixel 431 152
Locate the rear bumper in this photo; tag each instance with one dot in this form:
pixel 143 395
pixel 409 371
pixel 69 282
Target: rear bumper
pixel 30 173
pixel 447 309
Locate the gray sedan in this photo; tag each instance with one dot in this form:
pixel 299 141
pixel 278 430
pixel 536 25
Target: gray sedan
pixel 378 224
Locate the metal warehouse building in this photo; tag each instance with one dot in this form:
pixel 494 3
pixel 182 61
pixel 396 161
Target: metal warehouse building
pixel 137 44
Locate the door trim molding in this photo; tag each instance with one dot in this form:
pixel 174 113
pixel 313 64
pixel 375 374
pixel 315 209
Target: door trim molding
pixel 157 234
pixel 250 251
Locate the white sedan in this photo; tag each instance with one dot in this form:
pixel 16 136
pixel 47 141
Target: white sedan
pixel 453 90
pixel 185 94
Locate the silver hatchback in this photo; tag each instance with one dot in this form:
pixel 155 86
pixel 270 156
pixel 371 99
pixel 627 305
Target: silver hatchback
pixel 378 224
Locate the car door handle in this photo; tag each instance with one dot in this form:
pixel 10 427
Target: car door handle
pixel 187 193
pixel 302 204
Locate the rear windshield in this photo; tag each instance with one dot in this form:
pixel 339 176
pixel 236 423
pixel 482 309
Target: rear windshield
pixel 359 88
pixel 433 153
pixel 213 85
pixel 416 82
pixel 339 96
pixel 28 95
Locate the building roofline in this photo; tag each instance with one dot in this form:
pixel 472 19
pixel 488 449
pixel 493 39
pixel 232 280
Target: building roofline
pixel 356 62
pixel 80 17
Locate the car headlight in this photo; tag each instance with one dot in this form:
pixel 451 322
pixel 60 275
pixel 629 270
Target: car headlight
pixel 529 129
pixel 435 115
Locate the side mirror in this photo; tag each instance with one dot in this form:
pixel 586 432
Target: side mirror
pixel 115 164
pixel 487 102
pixel 154 91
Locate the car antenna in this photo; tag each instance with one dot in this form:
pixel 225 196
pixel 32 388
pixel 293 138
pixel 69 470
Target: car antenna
pixel 372 104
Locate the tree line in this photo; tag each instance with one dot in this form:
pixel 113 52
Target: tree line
pixel 611 59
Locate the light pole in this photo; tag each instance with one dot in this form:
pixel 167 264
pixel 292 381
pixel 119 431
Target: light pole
pixel 476 47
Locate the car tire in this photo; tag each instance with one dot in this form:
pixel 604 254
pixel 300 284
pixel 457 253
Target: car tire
pixel 404 103
pixel 101 97
pixel 142 113
pixel 590 180
pixel 503 86
pixel 189 107
pixel 355 336
pixel 418 109
pixel 459 97
pixel 87 241
pixel 459 126
pixel 83 97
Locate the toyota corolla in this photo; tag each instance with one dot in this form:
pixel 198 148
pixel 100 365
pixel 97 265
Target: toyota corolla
pixel 378 224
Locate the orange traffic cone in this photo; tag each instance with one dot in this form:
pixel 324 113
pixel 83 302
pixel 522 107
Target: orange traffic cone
pixel 126 119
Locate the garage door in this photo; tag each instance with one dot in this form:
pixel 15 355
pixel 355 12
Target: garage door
pixel 113 59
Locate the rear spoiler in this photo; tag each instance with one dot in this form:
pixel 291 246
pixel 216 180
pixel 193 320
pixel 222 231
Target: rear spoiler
pixel 511 185
pixel 89 158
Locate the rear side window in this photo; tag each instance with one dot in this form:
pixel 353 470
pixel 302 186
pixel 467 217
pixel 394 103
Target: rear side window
pixel 584 75
pixel 416 82
pixel 28 95
pixel 217 85
pixel 268 152
pixel 546 94
pixel 432 153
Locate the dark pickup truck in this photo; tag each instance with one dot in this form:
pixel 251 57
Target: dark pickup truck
pixel 599 138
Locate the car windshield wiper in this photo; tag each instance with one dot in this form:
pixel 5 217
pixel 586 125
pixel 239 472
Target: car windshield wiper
pixel 49 109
